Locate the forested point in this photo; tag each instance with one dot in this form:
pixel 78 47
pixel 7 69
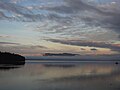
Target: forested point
pixel 11 58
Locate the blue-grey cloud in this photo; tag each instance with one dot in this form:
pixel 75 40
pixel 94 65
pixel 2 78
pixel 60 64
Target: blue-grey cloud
pixel 9 43
pixel 92 15
pixel 87 43
pixel 2 16
pixel 67 11
pixel 106 19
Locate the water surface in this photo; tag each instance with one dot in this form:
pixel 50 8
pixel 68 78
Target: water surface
pixel 53 75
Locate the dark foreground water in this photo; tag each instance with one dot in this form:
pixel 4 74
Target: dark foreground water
pixel 61 76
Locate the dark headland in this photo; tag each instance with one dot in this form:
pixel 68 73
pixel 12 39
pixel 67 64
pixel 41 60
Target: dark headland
pixel 12 59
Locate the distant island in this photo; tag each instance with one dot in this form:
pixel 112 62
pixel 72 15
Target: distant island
pixel 59 54
pixel 12 59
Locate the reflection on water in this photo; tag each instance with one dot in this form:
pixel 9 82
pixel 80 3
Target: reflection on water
pixel 62 76
pixel 8 67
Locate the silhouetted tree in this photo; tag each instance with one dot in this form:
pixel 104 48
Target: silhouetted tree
pixel 8 58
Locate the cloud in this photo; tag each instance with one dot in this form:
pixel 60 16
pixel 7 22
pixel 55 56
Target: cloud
pixel 119 36
pixel 38 46
pixel 5 36
pixel 90 14
pixel 73 7
pixel 78 12
pixel 72 19
pixel 79 5
pixel 93 49
pixel 107 17
pixel 15 11
pixel 2 15
pixel 8 43
pixel 78 16
pixel 22 49
pixel 113 47
pixel 83 49
pixel 11 11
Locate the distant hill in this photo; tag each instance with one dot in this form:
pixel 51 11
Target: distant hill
pixel 59 54
pixel 14 59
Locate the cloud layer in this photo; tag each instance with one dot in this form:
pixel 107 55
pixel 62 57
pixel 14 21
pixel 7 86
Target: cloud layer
pixel 8 43
pixel 114 47
pixel 105 15
pixel 93 23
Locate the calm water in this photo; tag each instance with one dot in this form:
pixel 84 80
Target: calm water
pixel 61 76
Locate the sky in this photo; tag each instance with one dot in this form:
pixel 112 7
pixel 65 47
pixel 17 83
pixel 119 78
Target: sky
pixel 85 27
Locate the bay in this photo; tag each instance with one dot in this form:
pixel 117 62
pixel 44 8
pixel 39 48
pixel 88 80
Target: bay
pixel 61 75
